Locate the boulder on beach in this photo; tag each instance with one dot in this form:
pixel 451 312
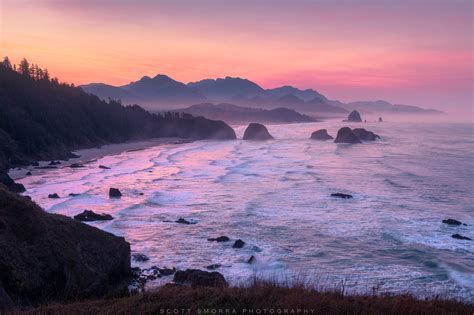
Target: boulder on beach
pixel 345 135
pixel 76 165
pixel 54 163
pixel 114 193
pixel 321 134
pixel 200 278
pixel 28 174
pixel 341 195
pixel 49 257
pixel 53 196
pixel 219 239
pixel 104 167
pixel 256 131
pixel 251 259
pixel 365 135
pixel 238 244
pixel 354 116
pixel 452 222
pixel 460 237
pixel 6 180
pixel 90 216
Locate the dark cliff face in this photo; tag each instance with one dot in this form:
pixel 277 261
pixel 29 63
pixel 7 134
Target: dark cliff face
pixel 44 119
pixel 47 257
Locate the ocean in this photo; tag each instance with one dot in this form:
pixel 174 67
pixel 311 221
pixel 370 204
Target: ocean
pixel 276 196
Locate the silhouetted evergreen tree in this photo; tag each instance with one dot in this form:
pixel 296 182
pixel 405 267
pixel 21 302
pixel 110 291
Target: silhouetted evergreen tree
pixel 7 64
pixel 24 67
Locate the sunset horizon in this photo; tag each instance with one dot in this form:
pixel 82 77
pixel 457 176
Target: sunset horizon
pixel 421 56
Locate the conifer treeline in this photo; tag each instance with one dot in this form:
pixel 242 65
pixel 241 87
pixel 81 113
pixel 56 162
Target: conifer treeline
pixel 41 118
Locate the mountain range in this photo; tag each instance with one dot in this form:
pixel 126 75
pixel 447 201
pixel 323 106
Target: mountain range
pixel 163 93
pixel 234 114
pixel 42 119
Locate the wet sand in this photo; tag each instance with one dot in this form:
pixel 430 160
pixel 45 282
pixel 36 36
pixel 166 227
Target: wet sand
pixel 92 154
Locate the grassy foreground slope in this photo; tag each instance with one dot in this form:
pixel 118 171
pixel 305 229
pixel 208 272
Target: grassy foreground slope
pixel 260 298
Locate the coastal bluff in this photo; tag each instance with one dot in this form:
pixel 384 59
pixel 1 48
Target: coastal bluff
pixel 50 257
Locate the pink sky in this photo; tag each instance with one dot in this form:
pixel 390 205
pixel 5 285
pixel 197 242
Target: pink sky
pixel 411 52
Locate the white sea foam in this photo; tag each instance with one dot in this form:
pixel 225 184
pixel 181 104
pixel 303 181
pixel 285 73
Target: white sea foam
pixel 275 195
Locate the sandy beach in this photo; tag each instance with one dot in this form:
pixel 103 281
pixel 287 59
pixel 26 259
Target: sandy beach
pixel 92 154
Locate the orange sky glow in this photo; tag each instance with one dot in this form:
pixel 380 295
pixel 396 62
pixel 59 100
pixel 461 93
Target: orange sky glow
pixel 411 52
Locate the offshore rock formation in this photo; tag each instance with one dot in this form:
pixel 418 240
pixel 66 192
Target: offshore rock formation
pixel 365 135
pixel 345 135
pixel 321 134
pixel 257 131
pixel 354 116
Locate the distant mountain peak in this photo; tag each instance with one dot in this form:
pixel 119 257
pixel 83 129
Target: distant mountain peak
pixel 290 99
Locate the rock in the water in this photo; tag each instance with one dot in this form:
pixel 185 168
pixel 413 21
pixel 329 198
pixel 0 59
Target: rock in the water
pixel 340 195
pixel 28 174
pixel 6 180
pixel 89 216
pixel 213 266
pixel 219 239
pixel 76 165
pixel 321 134
pixel 256 131
pixel 34 163
pixel 452 222
pixel 354 116
pixel 167 271
pixel 46 167
pixel 345 135
pixel 54 163
pixel 53 196
pixel 140 257
pixel 380 119
pixel 114 193
pixel 365 135
pixel 238 244
pixel 196 278
pixel 251 259
pixel 49 257
pixel 73 195
pixel 183 221
pixel 460 237
pixel 104 167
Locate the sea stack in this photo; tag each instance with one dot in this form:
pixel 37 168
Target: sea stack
pixel 365 135
pixel 257 131
pixel 345 135
pixel 321 134
pixel 354 116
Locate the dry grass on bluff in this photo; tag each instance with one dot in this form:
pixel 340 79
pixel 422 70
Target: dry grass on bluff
pixel 259 298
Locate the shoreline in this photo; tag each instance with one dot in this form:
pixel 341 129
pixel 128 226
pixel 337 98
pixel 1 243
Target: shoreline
pixel 95 153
